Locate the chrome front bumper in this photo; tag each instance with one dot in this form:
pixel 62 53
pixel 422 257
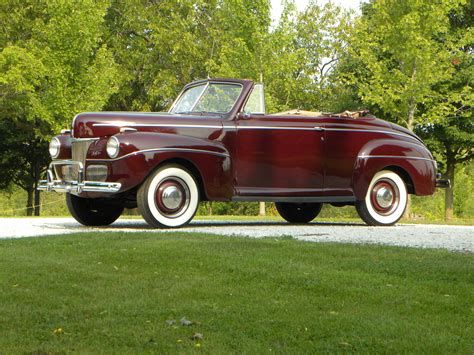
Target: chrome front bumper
pixel 55 183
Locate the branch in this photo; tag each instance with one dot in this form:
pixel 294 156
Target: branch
pixel 133 32
pixel 465 158
pixel 20 185
pixel 321 71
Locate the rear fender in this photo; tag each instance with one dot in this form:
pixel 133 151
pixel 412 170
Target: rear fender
pixel 411 160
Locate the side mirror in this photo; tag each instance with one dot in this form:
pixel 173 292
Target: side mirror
pixel 243 116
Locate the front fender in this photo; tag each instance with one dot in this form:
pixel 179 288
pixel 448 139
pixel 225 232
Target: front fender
pixel 412 160
pixel 142 152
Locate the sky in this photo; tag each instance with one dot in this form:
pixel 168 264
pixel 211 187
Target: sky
pixel 301 4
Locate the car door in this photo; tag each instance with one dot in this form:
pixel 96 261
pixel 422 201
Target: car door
pixel 279 156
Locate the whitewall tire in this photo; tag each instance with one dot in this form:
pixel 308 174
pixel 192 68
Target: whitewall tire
pixel 385 201
pixel 169 198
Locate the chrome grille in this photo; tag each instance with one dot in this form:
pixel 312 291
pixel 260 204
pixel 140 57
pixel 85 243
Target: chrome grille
pixel 66 171
pixel 79 149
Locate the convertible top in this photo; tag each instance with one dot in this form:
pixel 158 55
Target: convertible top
pixel 345 114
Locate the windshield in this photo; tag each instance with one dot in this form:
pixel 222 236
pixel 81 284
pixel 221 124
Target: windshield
pixel 209 98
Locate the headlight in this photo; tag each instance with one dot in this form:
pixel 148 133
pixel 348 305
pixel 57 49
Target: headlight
pixel 113 147
pixel 54 147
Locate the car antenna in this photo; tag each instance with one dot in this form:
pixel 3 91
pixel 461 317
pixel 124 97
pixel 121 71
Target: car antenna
pixel 212 54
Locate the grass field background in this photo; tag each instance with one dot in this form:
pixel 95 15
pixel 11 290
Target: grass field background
pixel 114 292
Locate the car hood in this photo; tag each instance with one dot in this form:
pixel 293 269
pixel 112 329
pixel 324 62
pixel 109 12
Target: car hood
pixel 102 124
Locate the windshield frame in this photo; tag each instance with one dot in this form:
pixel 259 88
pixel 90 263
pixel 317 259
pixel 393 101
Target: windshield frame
pixel 206 84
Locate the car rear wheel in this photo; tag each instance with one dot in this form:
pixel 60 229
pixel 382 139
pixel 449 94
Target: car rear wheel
pixel 169 198
pixel 93 211
pixel 385 201
pixel 298 212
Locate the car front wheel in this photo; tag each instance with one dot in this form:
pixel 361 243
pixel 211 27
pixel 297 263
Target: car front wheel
pixel 298 212
pixel 93 211
pixel 169 198
pixel 385 201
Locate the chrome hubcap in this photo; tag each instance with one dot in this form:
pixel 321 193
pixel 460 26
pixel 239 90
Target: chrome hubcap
pixel 384 197
pixel 172 197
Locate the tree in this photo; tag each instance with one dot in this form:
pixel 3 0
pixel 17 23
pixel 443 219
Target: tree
pixel 451 107
pixel 397 45
pixel 161 46
pixel 301 54
pixel 401 55
pixel 53 64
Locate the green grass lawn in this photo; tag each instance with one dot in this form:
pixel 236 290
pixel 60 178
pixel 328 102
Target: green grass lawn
pixel 114 292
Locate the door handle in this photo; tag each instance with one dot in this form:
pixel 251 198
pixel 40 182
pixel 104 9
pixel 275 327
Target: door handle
pixel 319 129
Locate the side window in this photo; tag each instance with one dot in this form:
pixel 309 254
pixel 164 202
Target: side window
pixel 256 102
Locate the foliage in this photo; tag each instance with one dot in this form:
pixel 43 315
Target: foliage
pixel 400 54
pixel 301 53
pixel 450 108
pixel 53 64
pixel 412 62
pixel 161 46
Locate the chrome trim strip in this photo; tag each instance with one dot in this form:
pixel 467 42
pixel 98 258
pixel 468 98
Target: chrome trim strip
pixel 127 129
pixel 257 127
pixel 394 156
pixel 155 125
pixel 125 113
pixel 277 128
pixel 371 131
pixel 84 139
pixel 189 150
pixel 319 128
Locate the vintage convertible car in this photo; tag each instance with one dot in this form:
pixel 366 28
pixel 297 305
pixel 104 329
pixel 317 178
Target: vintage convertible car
pixel 217 143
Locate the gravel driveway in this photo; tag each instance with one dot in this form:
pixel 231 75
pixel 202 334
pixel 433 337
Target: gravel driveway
pixel 456 238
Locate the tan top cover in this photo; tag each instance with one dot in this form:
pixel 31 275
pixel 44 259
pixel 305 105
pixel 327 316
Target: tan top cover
pixel 347 114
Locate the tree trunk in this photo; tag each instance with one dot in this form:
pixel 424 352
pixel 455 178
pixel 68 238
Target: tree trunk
pixel 410 125
pixel 36 191
pixel 449 195
pixel 408 208
pixel 210 208
pixel 262 211
pixel 29 202
pixel 37 207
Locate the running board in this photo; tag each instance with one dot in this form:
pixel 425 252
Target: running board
pixel 296 199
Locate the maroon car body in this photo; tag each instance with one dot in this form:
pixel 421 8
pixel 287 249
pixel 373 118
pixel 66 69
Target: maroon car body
pixel 240 156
